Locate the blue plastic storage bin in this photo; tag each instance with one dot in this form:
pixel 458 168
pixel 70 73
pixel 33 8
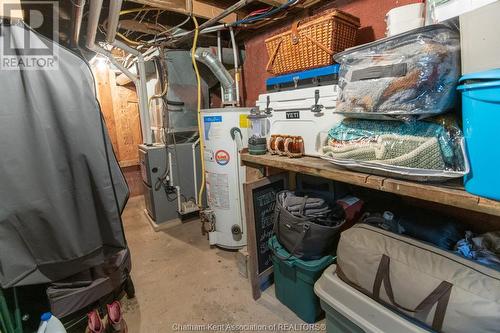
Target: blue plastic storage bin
pixel 481 122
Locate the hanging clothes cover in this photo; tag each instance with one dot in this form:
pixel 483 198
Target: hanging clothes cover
pixel 61 189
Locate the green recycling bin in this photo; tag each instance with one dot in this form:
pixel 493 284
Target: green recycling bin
pixel 294 281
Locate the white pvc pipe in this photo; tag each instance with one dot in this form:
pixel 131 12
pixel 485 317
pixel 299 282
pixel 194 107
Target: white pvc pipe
pixel 113 18
pixel 122 68
pixel 195 173
pixel 142 91
pixel 179 204
pixel 139 80
pixel 219 54
pixel 239 146
pixel 93 22
pixel 77 16
pixel 236 65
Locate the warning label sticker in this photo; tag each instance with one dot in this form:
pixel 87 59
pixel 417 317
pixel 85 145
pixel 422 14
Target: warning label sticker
pixel 213 127
pixel 218 190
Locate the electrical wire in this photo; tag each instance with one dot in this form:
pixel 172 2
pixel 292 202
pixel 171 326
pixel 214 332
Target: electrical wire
pixel 127 39
pixel 259 11
pixel 266 14
pixel 176 27
pixel 198 84
pixel 135 10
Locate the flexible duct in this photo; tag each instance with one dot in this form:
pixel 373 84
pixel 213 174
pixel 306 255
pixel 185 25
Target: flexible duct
pixel 220 73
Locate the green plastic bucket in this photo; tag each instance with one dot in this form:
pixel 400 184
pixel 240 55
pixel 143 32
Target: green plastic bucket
pixel 294 281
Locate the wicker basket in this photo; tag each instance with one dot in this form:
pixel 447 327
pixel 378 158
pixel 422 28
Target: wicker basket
pixel 312 42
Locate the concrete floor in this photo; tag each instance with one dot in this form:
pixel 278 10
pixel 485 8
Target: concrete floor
pixel 179 280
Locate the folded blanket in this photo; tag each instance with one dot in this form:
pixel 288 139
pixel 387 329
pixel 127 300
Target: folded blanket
pixel 305 206
pixel 370 136
pixel 401 150
pixel 415 73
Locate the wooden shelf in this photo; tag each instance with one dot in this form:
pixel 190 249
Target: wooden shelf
pixel 450 193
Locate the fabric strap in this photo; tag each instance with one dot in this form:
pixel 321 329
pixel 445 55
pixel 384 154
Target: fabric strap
pixel 440 295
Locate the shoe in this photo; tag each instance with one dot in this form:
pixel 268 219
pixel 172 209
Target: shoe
pixel 95 324
pixel 116 323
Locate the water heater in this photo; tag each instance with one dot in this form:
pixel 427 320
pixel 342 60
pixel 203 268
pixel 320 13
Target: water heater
pixel 225 133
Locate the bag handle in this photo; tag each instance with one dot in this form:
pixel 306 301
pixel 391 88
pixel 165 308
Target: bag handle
pixel 440 295
pixel 295 32
pixel 295 37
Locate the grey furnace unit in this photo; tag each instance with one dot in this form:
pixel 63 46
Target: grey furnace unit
pixel 169 179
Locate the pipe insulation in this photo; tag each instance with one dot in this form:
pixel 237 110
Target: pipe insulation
pixel 220 73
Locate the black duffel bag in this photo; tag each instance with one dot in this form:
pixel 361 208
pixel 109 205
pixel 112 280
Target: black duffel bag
pixel 305 237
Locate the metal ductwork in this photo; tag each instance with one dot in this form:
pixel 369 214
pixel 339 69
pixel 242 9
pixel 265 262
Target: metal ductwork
pixel 220 73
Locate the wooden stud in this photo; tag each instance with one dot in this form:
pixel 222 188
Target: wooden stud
pixel 105 98
pixel 200 9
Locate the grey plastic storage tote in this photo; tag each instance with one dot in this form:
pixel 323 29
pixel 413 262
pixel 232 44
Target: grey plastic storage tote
pixel 350 311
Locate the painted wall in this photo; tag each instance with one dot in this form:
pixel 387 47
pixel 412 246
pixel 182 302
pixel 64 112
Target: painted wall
pixel 372 16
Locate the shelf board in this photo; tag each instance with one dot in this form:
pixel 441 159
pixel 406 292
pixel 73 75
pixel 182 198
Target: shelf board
pixel 449 193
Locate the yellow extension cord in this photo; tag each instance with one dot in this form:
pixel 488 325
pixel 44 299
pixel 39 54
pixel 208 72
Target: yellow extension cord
pixel 127 39
pixel 198 82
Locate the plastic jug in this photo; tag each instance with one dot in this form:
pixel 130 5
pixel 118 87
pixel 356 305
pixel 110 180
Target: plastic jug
pixel 50 324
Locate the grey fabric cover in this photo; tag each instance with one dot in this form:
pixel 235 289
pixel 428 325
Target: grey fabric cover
pixel 87 287
pixel 61 189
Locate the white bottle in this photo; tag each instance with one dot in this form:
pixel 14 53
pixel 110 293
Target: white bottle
pixel 50 324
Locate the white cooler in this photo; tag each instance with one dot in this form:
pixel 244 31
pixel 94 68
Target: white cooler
pixel 291 114
pixel 350 311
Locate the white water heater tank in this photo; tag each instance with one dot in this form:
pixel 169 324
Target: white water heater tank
pixel 225 133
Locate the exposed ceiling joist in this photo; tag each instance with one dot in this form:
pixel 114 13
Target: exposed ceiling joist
pixel 301 4
pixel 275 3
pixel 200 9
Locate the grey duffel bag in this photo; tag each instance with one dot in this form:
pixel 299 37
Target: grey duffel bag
pixel 438 288
pixel 304 237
